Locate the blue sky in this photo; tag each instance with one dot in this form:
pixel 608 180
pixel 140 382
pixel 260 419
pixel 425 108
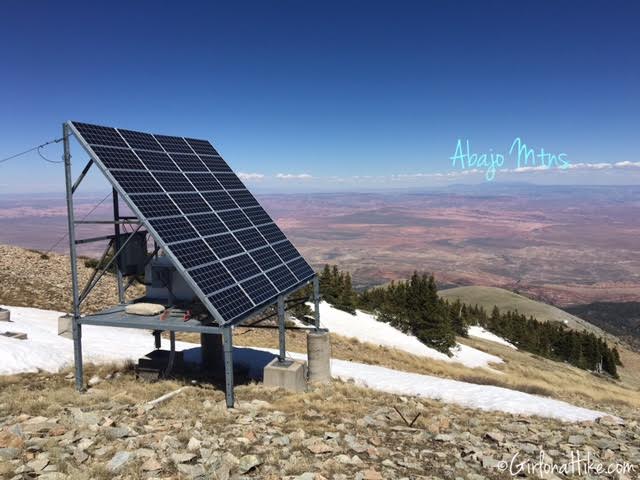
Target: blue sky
pixel 329 94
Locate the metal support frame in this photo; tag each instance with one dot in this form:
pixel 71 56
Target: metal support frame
pixel 227 341
pixel 94 239
pixel 95 271
pixel 75 325
pixel 281 330
pixel 85 170
pixel 104 270
pixel 106 222
pixel 116 228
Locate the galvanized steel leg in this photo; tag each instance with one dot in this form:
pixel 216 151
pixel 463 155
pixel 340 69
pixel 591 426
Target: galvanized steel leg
pixel 116 218
pixel 281 328
pixel 76 327
pixel 227 340
pixel 316 301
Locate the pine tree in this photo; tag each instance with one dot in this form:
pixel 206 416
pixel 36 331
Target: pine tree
pixel 457 313
pixel 346 295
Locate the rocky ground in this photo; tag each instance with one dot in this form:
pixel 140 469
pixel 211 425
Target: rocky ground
pixel 31 279
pixel 336 432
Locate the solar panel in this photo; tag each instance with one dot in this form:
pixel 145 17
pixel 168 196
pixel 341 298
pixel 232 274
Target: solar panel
pixel 241 267
pixel 157 161
pixel 223 242
pixel 189 162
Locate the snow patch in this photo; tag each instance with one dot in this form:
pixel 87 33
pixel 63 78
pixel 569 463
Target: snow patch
pixel 479 332
pixel 468 395
pixel 366 328
pixel 45 350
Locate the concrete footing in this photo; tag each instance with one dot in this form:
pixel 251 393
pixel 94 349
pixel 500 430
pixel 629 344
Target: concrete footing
pixel 65 326
pixel 319 356
pixel 5 315
pixel 289 375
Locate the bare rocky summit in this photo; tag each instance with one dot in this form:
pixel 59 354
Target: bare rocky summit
pixel 337 432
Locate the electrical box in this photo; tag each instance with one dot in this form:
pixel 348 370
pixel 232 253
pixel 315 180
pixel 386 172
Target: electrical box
pixel 165 283
pixel 134 255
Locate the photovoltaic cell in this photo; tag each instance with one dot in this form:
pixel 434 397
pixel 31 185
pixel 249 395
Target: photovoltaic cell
pixel 230 181
pixel 190 203
pixel 204 182
pixel 250 238
pixel 241 267
pixel 301 268
pixel 216 164
pixel 266 258
pixel 219 200
pixel 212 278
pixel 118 158
pixel 189 163
pixel 224 245
pixel 282 278
pixel 140 140
pixel 201 147
pixel 174 182
pixel 200 212
pixel 258 216
pixel 231 303
pixel 157 205
pixel 136 181
pixel 97 135
pixel 234 219
pixel 286 250
pixel 272 233
pixel 192 253
pixel 259 289
pixel 173 144
pixel 157 161
pixel 207 224
pixel 243 198
pixel 173 229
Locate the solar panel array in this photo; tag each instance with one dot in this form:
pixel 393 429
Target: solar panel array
pixel 202 215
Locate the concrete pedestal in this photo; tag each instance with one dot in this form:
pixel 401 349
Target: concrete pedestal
pixel 319 356
pixel 289 375
pixel 65 326
pixel 5 315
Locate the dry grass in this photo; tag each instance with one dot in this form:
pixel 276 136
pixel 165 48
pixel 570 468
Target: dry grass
pixel 521 371
pixel 45 394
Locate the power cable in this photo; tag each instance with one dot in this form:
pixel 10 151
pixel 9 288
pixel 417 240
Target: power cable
pixel 38 147
pixel 46 159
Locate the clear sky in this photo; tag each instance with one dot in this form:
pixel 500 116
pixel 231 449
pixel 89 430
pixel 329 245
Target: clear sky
pixel 357 94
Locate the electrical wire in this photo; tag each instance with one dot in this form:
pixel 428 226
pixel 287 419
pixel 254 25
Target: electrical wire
pixel 38 147
pixel 46 159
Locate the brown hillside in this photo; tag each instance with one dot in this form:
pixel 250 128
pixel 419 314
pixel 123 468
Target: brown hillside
pixel 27 279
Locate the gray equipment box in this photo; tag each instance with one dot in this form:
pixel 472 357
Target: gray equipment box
pixel 134 256
pixel 164 282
